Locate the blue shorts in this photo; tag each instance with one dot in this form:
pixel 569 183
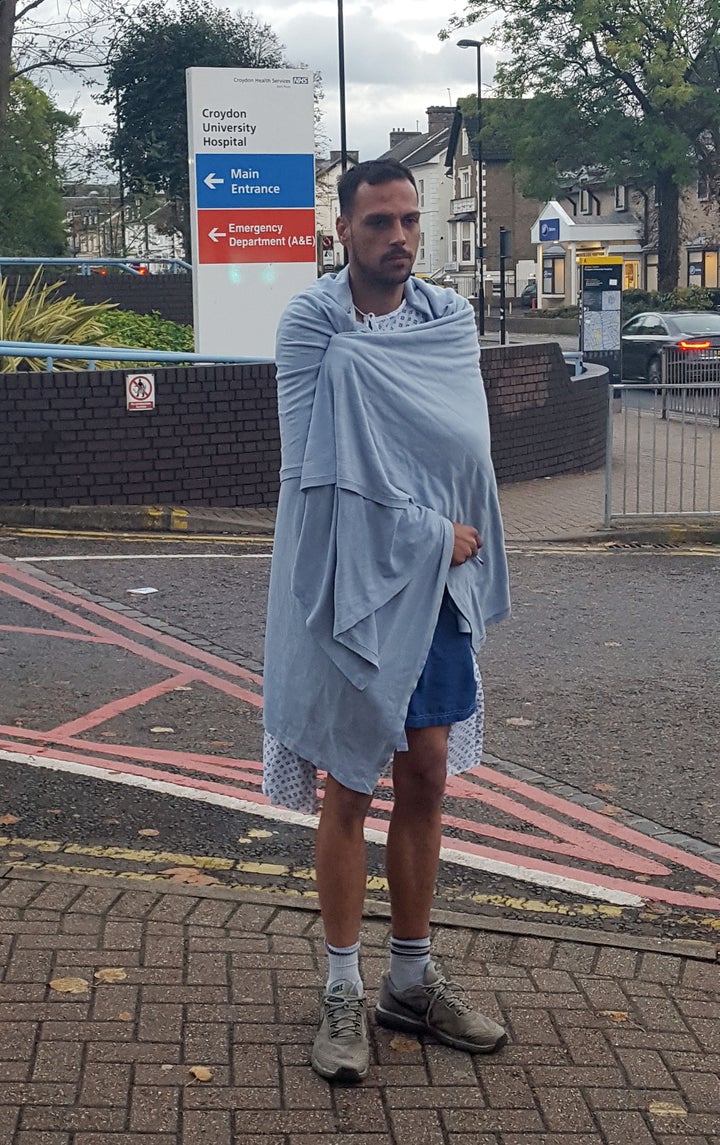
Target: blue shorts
pixel 446 692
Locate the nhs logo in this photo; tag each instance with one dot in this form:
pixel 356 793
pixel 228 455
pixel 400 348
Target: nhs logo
pixel 300 79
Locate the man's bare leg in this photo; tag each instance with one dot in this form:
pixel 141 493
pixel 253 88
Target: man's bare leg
pixel 415 997
pixel 340 862
pixel 340 1050
pixel 413 847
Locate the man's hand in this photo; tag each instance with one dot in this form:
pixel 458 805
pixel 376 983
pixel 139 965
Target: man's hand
pixel 467 544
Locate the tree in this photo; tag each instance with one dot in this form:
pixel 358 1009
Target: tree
pixel 30 43
pixel 32 217
pixel 629 87
pixel 146 84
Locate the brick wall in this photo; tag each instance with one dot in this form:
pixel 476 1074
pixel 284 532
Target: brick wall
pixel 67 438
pixel 543 422
pixel 169 294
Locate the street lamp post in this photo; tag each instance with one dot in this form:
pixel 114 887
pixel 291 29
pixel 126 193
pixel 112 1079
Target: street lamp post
pixel 480 219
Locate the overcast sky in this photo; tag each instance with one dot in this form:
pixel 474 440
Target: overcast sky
pixel 395 65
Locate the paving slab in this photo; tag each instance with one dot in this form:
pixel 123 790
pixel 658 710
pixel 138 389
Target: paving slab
pixel 592 1056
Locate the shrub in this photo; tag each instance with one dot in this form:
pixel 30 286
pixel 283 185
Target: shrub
pixel 38 316
pixel 681 298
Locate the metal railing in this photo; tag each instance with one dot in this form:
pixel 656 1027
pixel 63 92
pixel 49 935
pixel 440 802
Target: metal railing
pixel 37 351
pixel 128 265
pixel 663 452
pixel 691 379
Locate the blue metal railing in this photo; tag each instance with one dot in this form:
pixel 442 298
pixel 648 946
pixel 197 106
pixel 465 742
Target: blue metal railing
pixel 92 354
pixel 128 264
pixel 574 358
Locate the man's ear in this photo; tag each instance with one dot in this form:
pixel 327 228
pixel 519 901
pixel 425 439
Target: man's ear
pixel 342 225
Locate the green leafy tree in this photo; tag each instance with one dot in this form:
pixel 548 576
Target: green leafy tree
pixel 146 84
pixel 627 87
pixel 32 217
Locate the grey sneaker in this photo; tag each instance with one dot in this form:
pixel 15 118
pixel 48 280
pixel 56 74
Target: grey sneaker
pixel 340 1050
pixel 435 1008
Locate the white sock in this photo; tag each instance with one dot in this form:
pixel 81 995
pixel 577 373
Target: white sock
pixel 344 968
pixel 408 959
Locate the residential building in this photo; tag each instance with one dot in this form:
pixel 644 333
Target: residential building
pixel 597 217
pixel 424 153
pixel 327 208
pixel 100 225
pixel 503 206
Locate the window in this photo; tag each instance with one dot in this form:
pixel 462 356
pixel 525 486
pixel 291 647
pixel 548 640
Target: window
pixel 651 272
pixel 421 193
pixel 703 189
pixel 621 198
pixel 453 245
pixel 585 205
pixel 465 143
pixel 421 247
pixel 466 254
pixel 703 268
pixel 554 274
pixel 465 183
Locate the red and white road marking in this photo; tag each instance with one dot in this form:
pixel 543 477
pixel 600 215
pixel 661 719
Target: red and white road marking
pixel 568 847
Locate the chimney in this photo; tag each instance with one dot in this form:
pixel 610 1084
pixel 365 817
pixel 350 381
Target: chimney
pixel 398 135
pixel 439 118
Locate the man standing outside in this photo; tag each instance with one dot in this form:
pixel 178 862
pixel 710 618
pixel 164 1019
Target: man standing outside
pixel 389 562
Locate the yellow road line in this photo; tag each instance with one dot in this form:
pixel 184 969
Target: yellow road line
pixel 303 875
pixel 164 538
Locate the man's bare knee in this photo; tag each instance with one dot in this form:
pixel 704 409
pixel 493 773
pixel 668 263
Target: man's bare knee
pixel 420 774
pixel 346 808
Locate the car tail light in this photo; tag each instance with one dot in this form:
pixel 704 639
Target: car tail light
pixel 685 345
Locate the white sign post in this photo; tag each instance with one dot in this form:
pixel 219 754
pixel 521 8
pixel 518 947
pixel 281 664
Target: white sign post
pixel 252 198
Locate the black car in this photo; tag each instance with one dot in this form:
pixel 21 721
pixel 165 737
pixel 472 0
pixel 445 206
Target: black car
pixel 528 298
pixel 695 333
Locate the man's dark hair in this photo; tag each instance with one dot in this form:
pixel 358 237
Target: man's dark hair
pixel 374 172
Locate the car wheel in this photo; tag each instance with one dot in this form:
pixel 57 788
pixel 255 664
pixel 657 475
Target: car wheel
pixel 654 374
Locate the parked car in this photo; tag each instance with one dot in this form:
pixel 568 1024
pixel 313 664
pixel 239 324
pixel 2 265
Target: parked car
pixel 696 333
pixel 528 298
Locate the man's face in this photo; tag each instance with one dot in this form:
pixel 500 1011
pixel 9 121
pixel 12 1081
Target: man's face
pixel 382 232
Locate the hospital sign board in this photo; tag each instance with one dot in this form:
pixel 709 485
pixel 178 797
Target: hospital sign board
pixel 252 189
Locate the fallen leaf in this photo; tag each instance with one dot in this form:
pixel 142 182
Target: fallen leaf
pixel 604 787
pixel 53 811
pixel 165 1068
pixel 220 743
pixel 125 1016
pixel 70 985
pixel 619 1016
pixel 190 876
pixel 608 809
pixel 201 1073
pixel 642 878
pixel 8 820
pixel 403 1045
pixel 158 730
pixel 111 974
pixel 520 722
pixel 703 890
pixel 666 1109
pixel 15 855
pixel 256 833
pixel 242 839
pixel 148 832
pixel 612 644
pixel 112 822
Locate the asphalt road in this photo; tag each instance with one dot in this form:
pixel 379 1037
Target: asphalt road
pixel 605 678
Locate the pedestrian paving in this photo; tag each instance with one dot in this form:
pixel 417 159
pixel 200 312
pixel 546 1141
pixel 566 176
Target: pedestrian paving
pixel 182 1016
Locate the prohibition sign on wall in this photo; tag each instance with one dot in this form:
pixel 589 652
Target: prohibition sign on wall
pixel 140 391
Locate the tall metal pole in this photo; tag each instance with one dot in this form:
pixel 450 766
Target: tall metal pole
pixel 343 122
pixel 480 247
pixel 341 70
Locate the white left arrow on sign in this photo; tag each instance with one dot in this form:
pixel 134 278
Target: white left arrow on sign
pixel 211 180
pixel 216 235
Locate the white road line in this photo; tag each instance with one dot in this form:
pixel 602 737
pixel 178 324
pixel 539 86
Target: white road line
pixel 283 815
pixel 149 557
